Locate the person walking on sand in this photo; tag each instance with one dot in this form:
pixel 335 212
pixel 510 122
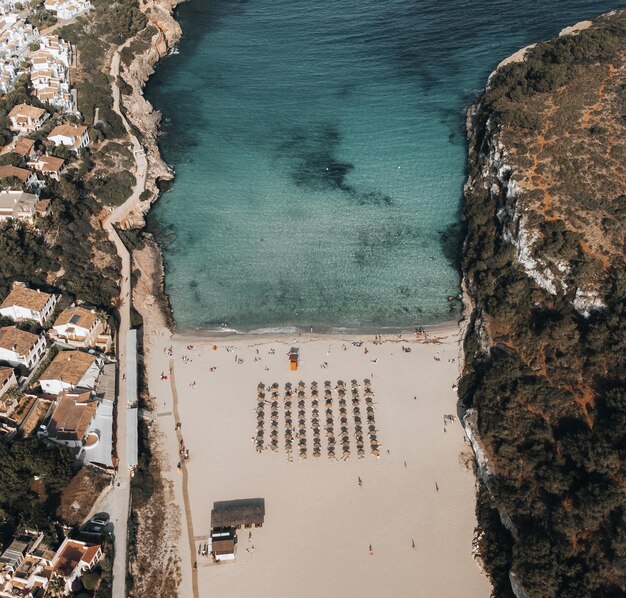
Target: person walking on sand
pixel 413 544
pixel 436 487
pixel 360 482
pixel 371 551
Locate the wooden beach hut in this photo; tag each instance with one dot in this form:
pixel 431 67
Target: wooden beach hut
pixel 247 512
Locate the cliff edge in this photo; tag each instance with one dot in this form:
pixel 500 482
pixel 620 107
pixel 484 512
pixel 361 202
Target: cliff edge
pixel 543 390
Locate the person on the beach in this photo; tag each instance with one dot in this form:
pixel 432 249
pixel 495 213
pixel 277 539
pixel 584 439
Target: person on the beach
pixel 436 487
pixel 360 482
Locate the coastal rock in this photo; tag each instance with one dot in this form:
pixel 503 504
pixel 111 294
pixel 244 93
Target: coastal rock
pixel 542 259
pixel 138 110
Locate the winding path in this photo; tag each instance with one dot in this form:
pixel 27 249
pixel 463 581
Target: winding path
pixel 117 502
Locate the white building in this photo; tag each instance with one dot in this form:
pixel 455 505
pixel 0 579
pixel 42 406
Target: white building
pixel 23 303
pixel 25 177
pixel 70 370
pixel 73 558
pixel 18 347
pixel 17 205
pixel 26 119
pixel 48 166
pixel 73 136
pixel 78 327
pixel 7 379
pixel 67 9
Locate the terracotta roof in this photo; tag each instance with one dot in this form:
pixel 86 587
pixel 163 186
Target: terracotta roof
pixel 70 556
pixel 79 316
pixel 68 130
pixel 25 297
pixel 49 163
pixel 23 341
pixel 19 173
pixel 26 110
pixel 69 366
pixel 72 416
pixel 21 146
pixel 5 374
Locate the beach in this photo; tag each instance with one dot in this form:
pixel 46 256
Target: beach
pixel 401 522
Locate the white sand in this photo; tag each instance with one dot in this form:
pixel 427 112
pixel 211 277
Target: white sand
pixel 319 523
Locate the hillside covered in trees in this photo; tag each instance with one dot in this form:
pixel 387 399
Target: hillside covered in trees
pixel 544 385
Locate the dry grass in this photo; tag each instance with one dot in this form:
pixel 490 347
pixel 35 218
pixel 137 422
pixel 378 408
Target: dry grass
pixel 80 495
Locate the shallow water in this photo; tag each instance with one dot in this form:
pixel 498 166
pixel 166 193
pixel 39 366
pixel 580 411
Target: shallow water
pixel 320 156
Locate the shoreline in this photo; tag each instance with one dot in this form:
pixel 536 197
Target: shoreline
pixel 184 519
pixel 317 332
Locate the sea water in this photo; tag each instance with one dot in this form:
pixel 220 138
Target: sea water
pixel 320 155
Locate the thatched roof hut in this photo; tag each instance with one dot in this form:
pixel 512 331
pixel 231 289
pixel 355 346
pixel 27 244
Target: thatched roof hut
pixel 238 513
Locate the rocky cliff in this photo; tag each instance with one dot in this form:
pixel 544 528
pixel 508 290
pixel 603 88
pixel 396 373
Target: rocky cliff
pixel 160 35
pixel 544 384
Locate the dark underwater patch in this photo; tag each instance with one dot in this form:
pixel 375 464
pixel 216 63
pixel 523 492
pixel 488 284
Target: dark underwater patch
pixel 313 164
pixel 451 240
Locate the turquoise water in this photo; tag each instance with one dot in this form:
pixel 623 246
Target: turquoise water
pixel 320 156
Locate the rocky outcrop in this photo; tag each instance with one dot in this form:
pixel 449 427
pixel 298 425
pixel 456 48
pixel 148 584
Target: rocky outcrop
pixel 544 296
pixel 138 110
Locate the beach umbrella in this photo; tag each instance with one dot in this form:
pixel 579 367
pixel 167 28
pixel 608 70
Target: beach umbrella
pixel 260 417
pixel 375 452
pixel 288 384
pixel 260 409
pixel 331 454
pixel 300 393
pixel 275 385
pixel 301 384
pixel 367 381
pixel 261 385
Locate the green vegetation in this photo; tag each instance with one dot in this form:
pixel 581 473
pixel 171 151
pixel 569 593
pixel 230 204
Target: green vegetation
pixel 549 66
pixel 550 388
pixel 69 239
pixel 19 504
pixel 141 43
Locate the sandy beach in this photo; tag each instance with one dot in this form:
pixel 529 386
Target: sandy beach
pixel 415 506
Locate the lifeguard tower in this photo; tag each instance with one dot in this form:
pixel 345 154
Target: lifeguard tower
pixel 294 355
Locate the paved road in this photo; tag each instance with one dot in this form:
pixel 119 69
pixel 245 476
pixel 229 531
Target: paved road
pixel 117 501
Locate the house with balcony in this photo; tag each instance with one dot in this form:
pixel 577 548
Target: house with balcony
pixel 67 9
pixel 18 347
pixel 23 303
pixel 73 558
pixel 71 370
pixel 26 119
pixel 48 166
pixel 78 327
pixel 75 137
pixel 22 146
pixel 22 177
pixel 17 205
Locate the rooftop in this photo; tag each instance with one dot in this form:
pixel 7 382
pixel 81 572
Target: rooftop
pixel 21 146
pixel 13 171
pixel 235 513
pixel 69 366
pixel 72 416
pixel 24 110
pixel 77 316
pixel 68 130
pixel 24 297
pixel 13 338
